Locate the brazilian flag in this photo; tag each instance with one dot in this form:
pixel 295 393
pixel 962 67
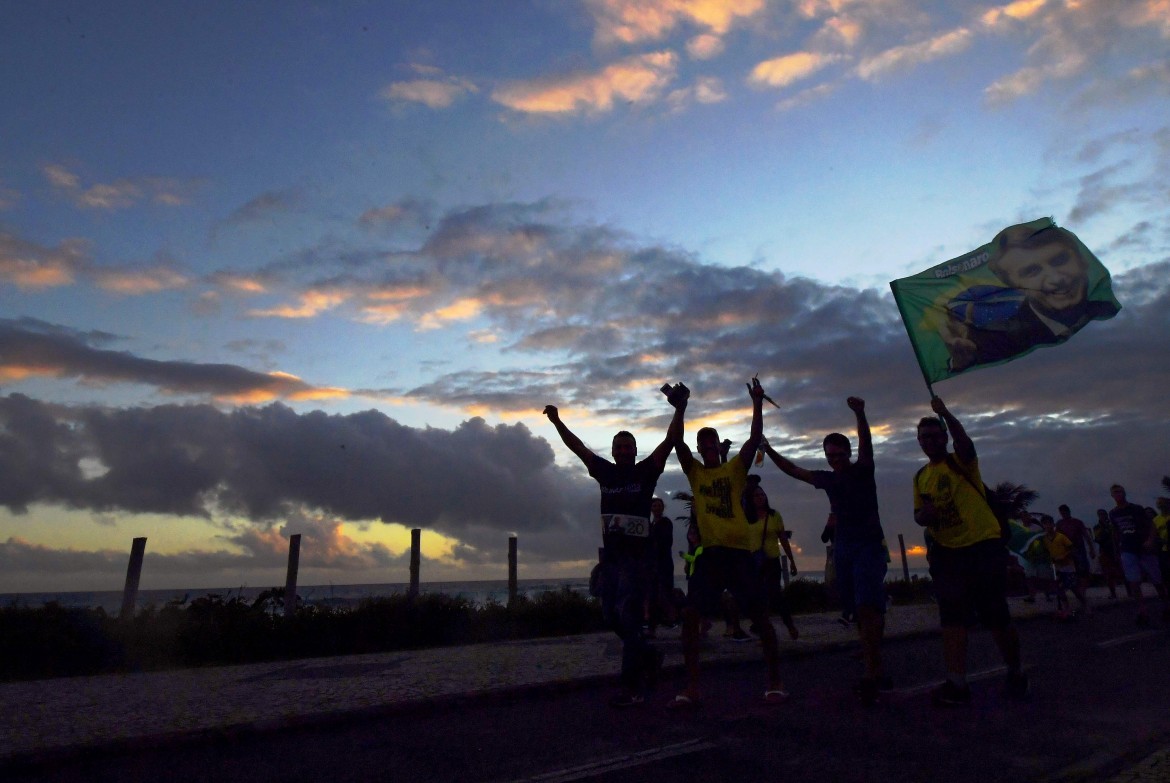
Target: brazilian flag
pixel 1034 284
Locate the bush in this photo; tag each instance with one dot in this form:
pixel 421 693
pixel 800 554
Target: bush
pixel 56 642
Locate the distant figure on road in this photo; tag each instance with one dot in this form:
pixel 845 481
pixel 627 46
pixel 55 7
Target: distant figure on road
pixel 1160 527
pixel 727 550
pixel 1137 541
pixel 968 563
pixel 627 488
pixel 1106 539
pixel 1060 549
pixel 660 608
pixel 859 550
pixel 1084 548
pixel 773 538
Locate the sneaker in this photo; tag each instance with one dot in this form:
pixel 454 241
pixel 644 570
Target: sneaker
pixel 626 700
pixel 654 659
pixel 740 636
pixel 1017 686
pixel 950 695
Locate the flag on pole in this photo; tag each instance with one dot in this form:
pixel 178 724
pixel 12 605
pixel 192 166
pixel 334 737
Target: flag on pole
pixel 1034 284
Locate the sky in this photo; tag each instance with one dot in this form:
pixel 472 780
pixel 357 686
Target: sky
pixel 312 268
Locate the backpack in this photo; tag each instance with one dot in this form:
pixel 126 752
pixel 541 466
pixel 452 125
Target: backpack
pixel 998 509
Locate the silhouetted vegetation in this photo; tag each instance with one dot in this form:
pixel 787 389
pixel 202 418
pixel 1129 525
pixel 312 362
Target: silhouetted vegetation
pixel 53 641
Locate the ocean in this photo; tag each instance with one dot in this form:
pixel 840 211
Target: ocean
pixel 478 592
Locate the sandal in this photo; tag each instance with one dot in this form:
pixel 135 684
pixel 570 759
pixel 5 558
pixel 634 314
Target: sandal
pixel 775 696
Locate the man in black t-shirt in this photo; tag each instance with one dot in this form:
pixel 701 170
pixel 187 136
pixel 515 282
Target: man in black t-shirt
pixel 1138 544
pixel 859 552
pixel 627 489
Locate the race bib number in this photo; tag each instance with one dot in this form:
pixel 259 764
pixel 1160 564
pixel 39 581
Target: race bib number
pixel 626 525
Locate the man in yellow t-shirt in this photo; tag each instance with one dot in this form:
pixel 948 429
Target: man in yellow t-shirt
pixel 728 545
pixel 1160 525
pixel 968 562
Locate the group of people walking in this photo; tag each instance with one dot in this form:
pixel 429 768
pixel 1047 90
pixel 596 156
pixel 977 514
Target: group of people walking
pixel 731 515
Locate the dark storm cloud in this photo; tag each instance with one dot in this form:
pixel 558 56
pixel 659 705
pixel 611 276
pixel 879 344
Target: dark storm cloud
pixel 268 463
pixel 31 347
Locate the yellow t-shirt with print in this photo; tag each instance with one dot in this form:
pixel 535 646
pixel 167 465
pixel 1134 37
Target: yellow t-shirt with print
pixel 771 535
pixel 720 516
pixel 1160 527
pixel 1059 549
pixel 964 518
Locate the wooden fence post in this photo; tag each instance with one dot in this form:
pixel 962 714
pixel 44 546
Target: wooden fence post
pixel 511 570
pixel 905 564
pixel 415 546
pixel 133 574
pixel 290 581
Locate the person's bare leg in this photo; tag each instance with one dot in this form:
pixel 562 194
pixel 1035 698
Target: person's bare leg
pixel 771 650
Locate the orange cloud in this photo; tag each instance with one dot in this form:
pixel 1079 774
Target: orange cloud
pixel 28 266
pixel 461 310
pixel 312 303
pixel 140 282
pixel 635 79
pixel 634 21
pixel 783 71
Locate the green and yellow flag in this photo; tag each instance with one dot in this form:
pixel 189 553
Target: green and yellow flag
pixel 1034 284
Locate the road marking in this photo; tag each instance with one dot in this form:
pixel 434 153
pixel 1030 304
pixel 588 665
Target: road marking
pixel 976 677
pixel 1133 637
pixel 625 761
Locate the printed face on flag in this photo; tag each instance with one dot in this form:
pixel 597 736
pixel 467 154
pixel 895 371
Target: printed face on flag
pixel 1034 284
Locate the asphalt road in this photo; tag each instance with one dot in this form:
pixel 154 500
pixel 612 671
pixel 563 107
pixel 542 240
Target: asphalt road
pixel 1101 700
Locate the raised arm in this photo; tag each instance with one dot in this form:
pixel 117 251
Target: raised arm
pixel 678 397
pixel 787 466
pixel 570 440
pixel 757 432
pixel 864 439
pixel 964 447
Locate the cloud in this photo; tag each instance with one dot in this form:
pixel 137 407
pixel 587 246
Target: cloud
pixel 120 194
pixel 31 348
pixel 705 47
pixel 1016 11
pixel 264 207
pixel 310 305
pixel 435 93
pixel 636 21
pixel 705 90
pixel 9 197
pixel 790 68
pixel 30 266
pixel 1072 36
pixel 637 79
pixel 270 463
pixel 909 55
pixel 588 318
pixel 409 212
pixel 146 280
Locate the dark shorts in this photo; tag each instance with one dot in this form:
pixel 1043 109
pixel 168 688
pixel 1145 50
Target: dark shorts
pixel 721 568
pixel 861 575
pixel 971 584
